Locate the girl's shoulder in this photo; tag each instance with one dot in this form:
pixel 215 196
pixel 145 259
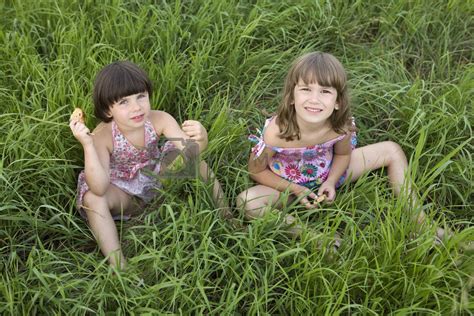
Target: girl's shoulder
pixel 157 115
pixel 103 127
pixel 271 133
pixel 160 119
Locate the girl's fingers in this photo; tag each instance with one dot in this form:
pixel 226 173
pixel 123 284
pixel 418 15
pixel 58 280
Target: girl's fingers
pixel 78 128
pixel 190 130
pixel 306 203
pixel 190 124
pixel 313 195
pixel 330 197
pixel 72 124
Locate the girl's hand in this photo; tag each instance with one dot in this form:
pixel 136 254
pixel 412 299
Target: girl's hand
pixel 194 130
pixel 305 196
pixel 81 132
pixel 329 189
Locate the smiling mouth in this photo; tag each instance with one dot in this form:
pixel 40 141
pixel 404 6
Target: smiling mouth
pixel 137 117
pixel 313 110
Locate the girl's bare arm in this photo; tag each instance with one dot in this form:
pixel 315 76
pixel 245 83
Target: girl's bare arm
pixel 341 159
pixel 165 124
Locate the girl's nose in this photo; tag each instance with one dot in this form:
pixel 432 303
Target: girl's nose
pixel 314 97
pixel 136 105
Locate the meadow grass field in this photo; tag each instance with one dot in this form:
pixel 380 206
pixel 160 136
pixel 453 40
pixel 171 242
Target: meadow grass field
pixel 222 62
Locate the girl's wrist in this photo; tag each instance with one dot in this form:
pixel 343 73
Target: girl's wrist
pixel 88 146
pixel 331 182
pixel 294 188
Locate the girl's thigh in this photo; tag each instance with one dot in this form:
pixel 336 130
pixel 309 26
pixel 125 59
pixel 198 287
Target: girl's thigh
pixel 261 195
pixel 121 202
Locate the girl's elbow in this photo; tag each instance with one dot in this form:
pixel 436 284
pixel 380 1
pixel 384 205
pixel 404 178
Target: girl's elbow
pixel 99 189
pixel 253 176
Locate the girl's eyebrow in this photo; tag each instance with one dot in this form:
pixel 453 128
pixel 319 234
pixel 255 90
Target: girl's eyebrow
pixel 121 99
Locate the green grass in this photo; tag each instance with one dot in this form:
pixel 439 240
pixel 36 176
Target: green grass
pixel 410 65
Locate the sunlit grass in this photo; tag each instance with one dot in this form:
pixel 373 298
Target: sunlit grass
pixel 223 63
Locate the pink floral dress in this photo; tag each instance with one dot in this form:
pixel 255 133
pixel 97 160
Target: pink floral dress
pixel 307 166
pixel 131 169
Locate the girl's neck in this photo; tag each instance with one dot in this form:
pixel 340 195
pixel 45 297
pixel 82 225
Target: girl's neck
pixel 130 130
pixel 307 128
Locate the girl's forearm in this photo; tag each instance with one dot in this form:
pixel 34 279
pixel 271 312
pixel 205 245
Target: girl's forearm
pixel 340 163
pixel 97 178
pixel 269 179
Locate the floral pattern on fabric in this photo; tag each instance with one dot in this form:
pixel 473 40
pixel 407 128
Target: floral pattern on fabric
pixel 309 170
pixel 277 167
pixel 292 172
pixel 308 166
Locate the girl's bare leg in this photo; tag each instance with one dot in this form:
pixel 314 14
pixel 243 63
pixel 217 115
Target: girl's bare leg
pixel 99 210
pixel 217 193
pixel 388 155
pixel 257 201
pixel 375 156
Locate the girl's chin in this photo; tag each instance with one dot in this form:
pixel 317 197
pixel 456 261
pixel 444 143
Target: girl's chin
pixel 316 118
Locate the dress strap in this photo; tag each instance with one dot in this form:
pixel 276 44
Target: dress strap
pixel 115 134
pixel 150 133
pixel 260 144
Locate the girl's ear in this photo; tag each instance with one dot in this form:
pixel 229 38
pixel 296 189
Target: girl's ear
pixel 336 107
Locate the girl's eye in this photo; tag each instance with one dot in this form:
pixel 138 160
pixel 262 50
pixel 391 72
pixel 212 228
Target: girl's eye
pixel 327 91
pixel 123 102
pixel 141 95
pixel 305 89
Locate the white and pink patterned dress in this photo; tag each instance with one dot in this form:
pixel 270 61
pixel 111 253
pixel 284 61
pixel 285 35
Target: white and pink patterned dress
pixel 132 170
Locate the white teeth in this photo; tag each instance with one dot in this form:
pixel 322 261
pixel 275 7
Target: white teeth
pixel 313 110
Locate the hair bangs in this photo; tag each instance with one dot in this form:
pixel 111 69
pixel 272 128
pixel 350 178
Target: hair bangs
pixel 319 70
pixel 126 84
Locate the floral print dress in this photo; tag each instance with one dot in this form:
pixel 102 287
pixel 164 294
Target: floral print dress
pixel 132 169
pixel 307 166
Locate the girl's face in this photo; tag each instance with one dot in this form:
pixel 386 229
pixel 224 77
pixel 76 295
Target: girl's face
pixel 314 103
pixel 131 111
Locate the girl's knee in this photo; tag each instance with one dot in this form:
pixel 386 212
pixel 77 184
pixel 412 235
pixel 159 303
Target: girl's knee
pixel 91 200
pixel 241 199
pixel 394 151
pixel 246 202
pixel 251 202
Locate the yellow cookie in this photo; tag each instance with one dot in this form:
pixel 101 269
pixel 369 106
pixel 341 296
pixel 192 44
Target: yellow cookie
pixel 320 198
pixel 77 115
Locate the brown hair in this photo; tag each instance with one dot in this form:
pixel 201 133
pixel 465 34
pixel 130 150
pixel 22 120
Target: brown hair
pixel 327 71
pixel 115 81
